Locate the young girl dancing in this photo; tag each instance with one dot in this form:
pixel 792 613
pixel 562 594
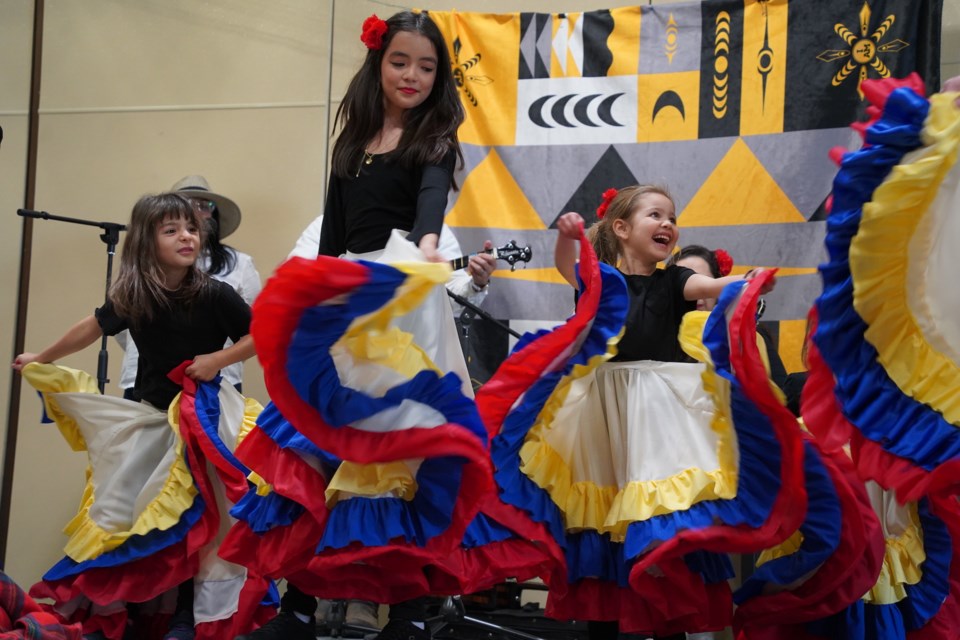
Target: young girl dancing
pixel 631 440
pixel 220 216
pixel 127 547
pixel 392 167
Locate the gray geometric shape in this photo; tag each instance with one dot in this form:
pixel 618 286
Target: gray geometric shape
pixel 544 40
pixel 767 245
pixel 682 166
pixel 528 47
pixel 513 299
pixel 654 31
pixel 799 163
pixel 549 175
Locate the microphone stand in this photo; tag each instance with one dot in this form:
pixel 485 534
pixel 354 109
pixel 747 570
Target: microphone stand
pixel 110 236
pixel 467 305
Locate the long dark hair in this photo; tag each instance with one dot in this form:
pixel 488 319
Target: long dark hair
pixel 697 251
pixel 223 257
pixel 429 129
pixel 139 291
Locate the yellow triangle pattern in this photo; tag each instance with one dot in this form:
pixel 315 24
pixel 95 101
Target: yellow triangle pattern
pixel 739 191
pixel 490 197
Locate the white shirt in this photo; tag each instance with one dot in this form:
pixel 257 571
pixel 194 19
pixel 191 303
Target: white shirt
pixel 243 278
pixel 460 282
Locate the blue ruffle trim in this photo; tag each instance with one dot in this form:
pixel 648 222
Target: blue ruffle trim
pixel 820 529
pixel 263 513
pixel 869 398
pixel 207 407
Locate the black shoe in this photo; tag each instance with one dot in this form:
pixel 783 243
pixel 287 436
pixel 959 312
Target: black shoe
pixel 285 626
pixel 402 630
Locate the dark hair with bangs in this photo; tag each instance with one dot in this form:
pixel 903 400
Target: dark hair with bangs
pixel 697 251
pixel 429 129
pixel 139 291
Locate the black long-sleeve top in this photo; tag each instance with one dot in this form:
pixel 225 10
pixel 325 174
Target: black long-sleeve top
pixel 361 210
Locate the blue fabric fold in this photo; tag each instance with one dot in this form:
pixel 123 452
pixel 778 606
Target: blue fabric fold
pixel 873 402
pixel 821 531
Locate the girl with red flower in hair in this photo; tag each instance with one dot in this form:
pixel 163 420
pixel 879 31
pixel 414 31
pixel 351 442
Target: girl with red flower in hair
pixel 648 418
pixel 715 264
pixel 392 167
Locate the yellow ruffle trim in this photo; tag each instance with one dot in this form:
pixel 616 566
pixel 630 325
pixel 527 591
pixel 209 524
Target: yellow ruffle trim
pixel 607 509
pixel 251 411
pixel 786 548
pixel 88 540
pixel 902 560
pixel 50 379
pixel 879 261
pixel 371 480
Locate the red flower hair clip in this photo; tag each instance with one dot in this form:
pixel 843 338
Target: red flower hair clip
pixel 724 261
pixel 608 196
pixel 373 31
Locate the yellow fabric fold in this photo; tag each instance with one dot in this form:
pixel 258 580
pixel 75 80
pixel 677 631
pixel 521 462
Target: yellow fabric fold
pixel 373 339
pixel 786 548
pixel 422 277
pixel 87 539
pixel 880 259
pixel 251 411
pixel 49 380
pixel 371 480
pixel 264 488
pixel 903 558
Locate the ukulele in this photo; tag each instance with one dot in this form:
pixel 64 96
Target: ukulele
pixel 509 253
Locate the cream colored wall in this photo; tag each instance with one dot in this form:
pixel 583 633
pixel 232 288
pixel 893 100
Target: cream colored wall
pixel 135 95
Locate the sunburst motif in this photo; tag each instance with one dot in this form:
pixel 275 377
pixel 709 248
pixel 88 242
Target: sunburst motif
pixel 460 75
pixel 864 49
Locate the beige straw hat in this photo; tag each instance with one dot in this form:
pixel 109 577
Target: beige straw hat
pixel 228 213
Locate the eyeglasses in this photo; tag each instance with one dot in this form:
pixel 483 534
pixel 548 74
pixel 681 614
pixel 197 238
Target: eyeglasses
pixel 203 205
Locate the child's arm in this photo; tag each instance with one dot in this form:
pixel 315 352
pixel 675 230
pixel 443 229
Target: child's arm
pixel 700 287
pixel 79 336
pixel 206 366
pixel 428 245
pixel 570 226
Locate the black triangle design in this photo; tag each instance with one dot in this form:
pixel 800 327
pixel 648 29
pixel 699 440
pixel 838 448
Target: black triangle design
pixel 609 171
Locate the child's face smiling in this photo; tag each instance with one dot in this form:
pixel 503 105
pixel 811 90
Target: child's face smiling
pixel 408 71
pixel 651 233
pixel 178 244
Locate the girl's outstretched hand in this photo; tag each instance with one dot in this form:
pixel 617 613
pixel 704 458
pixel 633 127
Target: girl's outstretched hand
pixel 23 360
pixel 570 225
pixel 753 273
